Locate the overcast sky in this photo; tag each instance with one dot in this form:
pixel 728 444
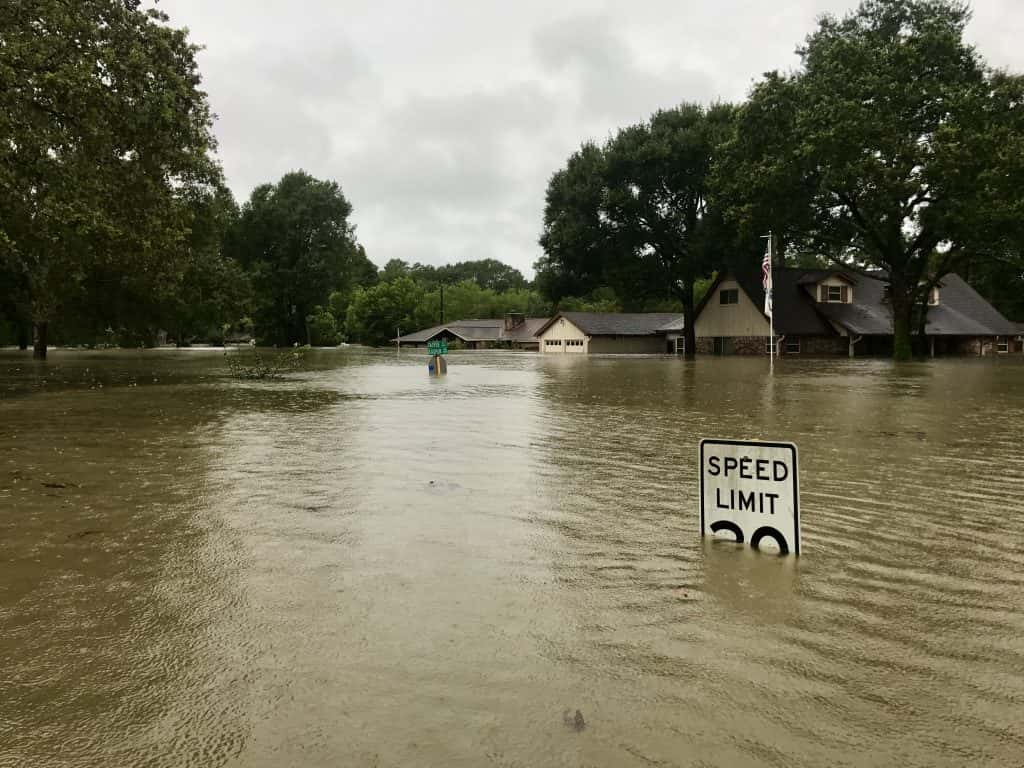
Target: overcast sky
pixel 443 120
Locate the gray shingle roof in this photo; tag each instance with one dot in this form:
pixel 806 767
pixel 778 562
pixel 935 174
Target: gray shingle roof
pixel 961 305
pixel 961 310
pixel 527 331
pixel 488 329
pixel 794 311
pixel 618 323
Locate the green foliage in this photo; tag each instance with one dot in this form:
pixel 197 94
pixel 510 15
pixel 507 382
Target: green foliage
pixel 106 136
pixel 1001 281
pixel 393 270
pixel 214 289
pixel 599 300
pixel 634 214
pixel 323 328
pixel 376 312
pixel 893 147
pixel 258 366
pixel 489 274
pixel 577 244
pixel 295 239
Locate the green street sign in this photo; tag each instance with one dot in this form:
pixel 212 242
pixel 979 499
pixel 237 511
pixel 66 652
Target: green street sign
pixel 437 347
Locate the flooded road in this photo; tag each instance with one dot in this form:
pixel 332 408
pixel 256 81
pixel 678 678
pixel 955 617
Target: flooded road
pixel 360 566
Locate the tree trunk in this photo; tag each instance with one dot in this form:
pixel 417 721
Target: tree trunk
pixel 902 348
pixel 23 336
pixel 689 332
pixel 922 326
pixel 39 350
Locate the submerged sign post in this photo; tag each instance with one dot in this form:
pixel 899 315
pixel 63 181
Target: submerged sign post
pixel 437 365
pixel 751 489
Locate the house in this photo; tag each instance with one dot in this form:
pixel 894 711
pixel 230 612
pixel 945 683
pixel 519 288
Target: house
pixel 835 312
pixel 515 330
pixel 583 333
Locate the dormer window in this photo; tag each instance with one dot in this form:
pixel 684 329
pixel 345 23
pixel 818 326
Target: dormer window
pixel 833 294
pixel 933 296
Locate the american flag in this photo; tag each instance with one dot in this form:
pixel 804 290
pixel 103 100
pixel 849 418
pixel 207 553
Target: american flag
pixel 766 278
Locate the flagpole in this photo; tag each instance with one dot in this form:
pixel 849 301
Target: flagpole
pixel 771 289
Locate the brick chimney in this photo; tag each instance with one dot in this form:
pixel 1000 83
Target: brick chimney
pixel 513 320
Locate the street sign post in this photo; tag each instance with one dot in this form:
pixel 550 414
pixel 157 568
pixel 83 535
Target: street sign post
pixel 752 490
pixel 437 365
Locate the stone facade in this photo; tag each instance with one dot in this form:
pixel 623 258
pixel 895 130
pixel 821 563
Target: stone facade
pixel 821 346
pixel 810 346
pixel 976 345
pixel 749 345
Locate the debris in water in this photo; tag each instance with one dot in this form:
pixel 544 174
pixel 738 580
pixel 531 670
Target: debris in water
pixel 576 722
pixel 91 532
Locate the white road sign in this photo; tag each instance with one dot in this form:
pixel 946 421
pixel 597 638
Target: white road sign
pixel 751 489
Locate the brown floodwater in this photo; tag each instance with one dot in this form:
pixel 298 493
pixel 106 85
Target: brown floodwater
pixel 362 566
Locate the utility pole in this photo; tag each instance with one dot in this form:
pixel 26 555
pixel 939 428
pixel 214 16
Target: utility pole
pixel 442 303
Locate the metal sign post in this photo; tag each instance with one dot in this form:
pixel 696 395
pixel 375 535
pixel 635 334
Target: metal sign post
pixel 437 365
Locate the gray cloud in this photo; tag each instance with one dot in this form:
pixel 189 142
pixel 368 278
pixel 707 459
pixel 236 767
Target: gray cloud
pixel 443 121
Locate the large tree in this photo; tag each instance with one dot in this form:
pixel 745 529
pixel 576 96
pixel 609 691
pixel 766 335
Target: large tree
pixel 103 132
pixel 377 313
pixel 633 215
pixel 214 290
pixel 892 147
pixel 296 240
pixel 487 273
pixel 577 246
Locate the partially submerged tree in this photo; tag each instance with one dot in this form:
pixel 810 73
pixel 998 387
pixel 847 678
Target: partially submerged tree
pixel 102 129
pixel 298 245
pixel 577 245
pixel 657 200
pixel 377 312
pixel 213 290
pixel 634 215
pixel 893 147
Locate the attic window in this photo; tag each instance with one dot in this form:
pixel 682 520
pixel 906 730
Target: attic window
pixel 729 296
pixel 834 294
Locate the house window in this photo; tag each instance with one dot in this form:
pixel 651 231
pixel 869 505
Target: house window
pixel 552 342
pixel 769 347
pixel 729 296
pixel 1002 346
pixel 835 294
pixel 574 342
pixel 792 346
pixel 933 296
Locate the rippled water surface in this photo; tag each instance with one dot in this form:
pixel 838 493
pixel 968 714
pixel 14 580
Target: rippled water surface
pixel 361 566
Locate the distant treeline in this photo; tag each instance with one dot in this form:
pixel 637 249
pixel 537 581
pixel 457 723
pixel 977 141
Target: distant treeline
pixel 894 146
